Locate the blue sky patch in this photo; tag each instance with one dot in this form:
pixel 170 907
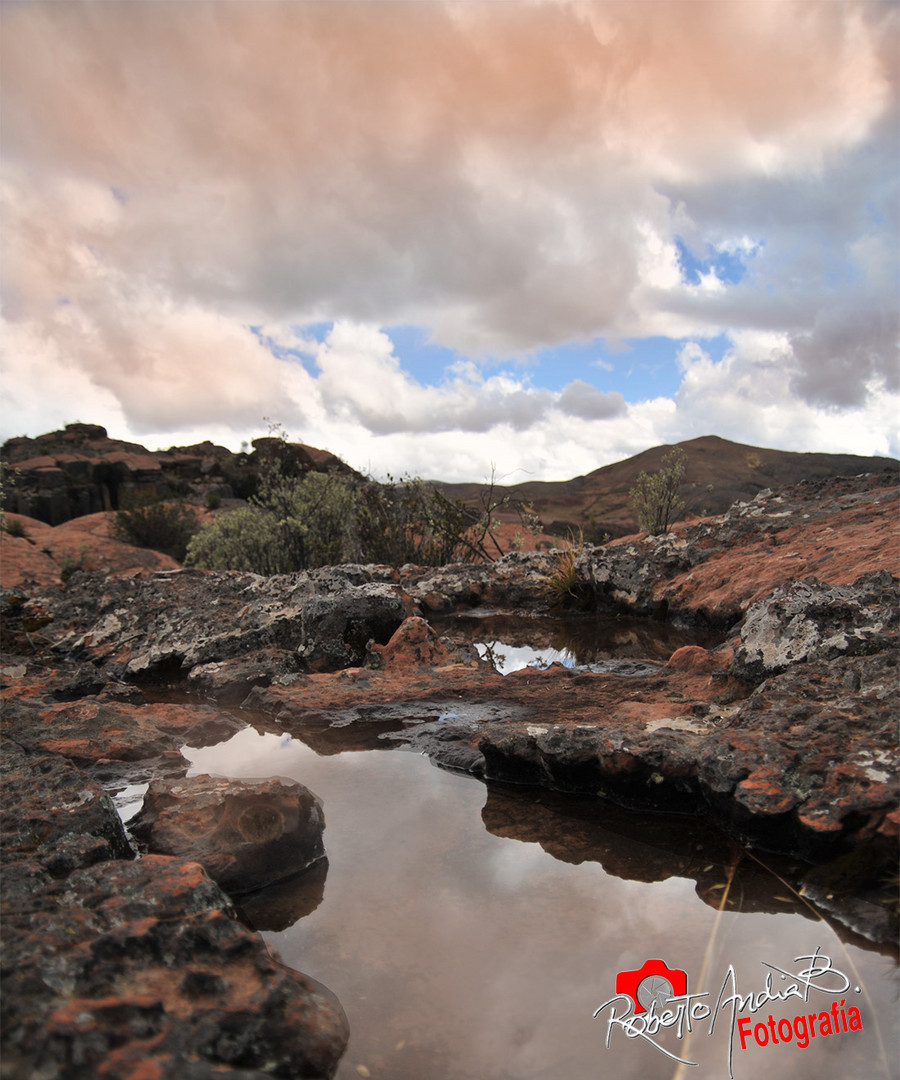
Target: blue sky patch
pixel 730 266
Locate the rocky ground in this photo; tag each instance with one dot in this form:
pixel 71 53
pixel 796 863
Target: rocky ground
pixel 785 734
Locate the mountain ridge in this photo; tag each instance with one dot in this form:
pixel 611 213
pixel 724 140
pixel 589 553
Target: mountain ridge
pixel 718 473
pixel 80 470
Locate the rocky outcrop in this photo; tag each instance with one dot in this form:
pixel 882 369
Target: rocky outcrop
pixel 81 471
pixel 55 819
pixel 126 969
pixel 712 570
pixel 132 969
pixel 247 835
pixel 344 643
pixel 167 623
pixel 121 741
pixel 807 621
pixel 782 731
pixel 44 555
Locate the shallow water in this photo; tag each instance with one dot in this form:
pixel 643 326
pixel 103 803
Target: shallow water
pixel 512 641
pixel 471 932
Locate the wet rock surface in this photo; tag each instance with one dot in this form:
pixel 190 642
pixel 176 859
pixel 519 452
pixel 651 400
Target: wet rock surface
pixel 126 969
pixel 136 969
pixel 783 731
pixel 247 835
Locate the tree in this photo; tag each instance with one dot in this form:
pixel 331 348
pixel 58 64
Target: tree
pixel 655 495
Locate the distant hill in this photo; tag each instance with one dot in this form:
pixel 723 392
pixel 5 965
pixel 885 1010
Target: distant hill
pixel 81 470
pixel 718 473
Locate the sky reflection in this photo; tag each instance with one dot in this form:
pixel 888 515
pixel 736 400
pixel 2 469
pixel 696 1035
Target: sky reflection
pixel 459 954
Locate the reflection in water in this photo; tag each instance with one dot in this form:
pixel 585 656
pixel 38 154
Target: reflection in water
pixel 473 939
pixel 513 641
pixel 643 847
pixel 280 905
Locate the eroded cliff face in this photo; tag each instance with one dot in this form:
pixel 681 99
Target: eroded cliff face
pixel 81 471
pixel 784 733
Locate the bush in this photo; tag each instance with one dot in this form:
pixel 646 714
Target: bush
pixel 297 520
pixel 14 527
pixel 655 495
pixel 248 538
pixel 149 522
pixel 321 519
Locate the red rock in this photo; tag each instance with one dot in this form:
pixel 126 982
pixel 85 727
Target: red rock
pixel 49 554
pixel 246 834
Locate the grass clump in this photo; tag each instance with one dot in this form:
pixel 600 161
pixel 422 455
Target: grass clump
pixel 14 527
pixel 563 582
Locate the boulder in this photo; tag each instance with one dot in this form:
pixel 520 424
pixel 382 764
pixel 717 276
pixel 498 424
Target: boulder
pixel 246 834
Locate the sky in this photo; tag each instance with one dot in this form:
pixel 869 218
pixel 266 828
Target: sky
pixel 451 238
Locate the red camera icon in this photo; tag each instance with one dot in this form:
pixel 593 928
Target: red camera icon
pixel 652 982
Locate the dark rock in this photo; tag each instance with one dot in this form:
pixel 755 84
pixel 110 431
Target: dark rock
pixel 246 834
pixel 337 628
pixel 129 970
pixel 55 813
pixel 230 681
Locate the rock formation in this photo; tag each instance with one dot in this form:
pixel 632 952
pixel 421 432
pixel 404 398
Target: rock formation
pixel 80 470
pixel 783 731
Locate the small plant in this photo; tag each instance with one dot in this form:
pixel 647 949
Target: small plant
pixel 72 563
pixel 15 528
pixel 149 522
pixel 655 495
pixel 563 581
pixel 213 500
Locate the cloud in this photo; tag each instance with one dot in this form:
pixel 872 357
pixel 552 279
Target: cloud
pixel 579 398
pixel 361 379
pixel 749 394
pixel 847 355
pixel 509 176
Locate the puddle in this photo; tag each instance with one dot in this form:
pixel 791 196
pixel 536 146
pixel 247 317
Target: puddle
pixel 471 932
pixel 512 641
pixel 128 800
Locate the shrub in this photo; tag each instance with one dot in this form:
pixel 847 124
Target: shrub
pixel 15 527
pixel 655 495
pixel 149 522
pixel 321 519
pixel 72 562
pixel 248 538
pixel 297 520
